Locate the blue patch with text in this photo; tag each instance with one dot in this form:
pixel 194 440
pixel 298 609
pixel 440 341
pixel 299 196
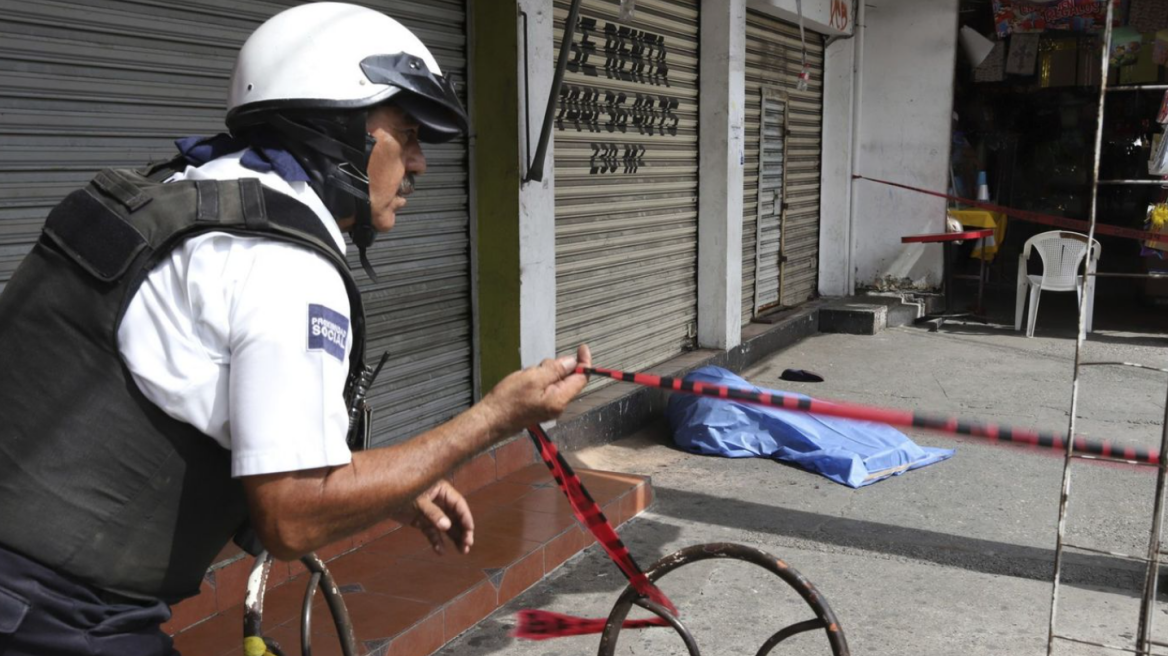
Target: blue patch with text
pixel 327 331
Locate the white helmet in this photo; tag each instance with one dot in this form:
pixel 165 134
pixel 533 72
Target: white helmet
pixel 311 73
pixel 332 55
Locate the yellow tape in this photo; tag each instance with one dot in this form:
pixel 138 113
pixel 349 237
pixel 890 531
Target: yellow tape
pixel 254 646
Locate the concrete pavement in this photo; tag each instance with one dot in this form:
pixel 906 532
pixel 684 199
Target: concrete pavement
pixel 952 558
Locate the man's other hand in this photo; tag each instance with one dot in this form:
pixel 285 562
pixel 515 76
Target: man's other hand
pixel 441 511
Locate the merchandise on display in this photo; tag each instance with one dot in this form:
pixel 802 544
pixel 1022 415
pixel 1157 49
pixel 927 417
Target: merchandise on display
pixel 1017 17
pixel 1157 222
pixel 1023 57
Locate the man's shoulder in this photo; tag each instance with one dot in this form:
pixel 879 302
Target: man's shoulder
pixel 258 251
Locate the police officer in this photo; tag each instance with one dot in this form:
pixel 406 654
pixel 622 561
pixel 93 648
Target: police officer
pixel 182 348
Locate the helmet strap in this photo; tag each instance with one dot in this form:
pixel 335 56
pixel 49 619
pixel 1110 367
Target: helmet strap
pixel 338 167
pixel 363 232
pixel 363 235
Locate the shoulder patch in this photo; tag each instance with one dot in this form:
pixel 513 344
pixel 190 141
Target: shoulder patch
pixel 327 331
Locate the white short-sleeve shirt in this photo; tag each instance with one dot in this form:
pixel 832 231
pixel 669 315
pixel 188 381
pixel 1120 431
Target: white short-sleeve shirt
pixel 247 339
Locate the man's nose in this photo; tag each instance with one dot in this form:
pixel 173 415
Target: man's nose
pixel 416 160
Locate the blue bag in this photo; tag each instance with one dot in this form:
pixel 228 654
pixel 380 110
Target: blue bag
pixel 855 453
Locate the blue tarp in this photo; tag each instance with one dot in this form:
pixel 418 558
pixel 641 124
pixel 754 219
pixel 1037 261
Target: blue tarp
pixel 855 453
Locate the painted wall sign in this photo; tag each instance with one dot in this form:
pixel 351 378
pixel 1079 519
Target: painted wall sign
pixel 614 158
pixel 618 52
pixel 629 54
pixel 839 15
pixel 583 108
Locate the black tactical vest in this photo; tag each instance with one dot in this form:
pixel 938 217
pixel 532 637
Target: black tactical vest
pixel 96 481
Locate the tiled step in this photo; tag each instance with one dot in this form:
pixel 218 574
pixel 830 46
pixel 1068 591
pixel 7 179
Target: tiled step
pixel 404 599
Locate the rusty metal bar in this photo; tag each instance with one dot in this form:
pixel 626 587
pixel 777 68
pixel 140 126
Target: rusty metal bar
pixel 1151 580
pixel 306 615
pixel 253 603
pixel 1150 274
pixel 1158 183
pixel 657 609
pixel 253 610
pixel 336 604
pixel 787 632
pixel 1137 463
pixel 1081 333
pixel 536 165
pixel 1100 644
pixel 825 619
pixel 1103 552
pixel 1123 364
pixel 1139 87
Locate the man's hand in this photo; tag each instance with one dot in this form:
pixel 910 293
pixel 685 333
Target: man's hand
pixel 538 393
pixel 441 510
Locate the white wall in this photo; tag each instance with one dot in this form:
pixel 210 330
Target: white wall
pixel 537 200
pixel 905 108
pixel 835 238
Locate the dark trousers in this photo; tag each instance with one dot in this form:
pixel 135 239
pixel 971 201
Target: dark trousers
pixel 43 613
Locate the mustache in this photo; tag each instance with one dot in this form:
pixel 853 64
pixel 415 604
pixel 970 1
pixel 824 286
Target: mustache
pixel 406 187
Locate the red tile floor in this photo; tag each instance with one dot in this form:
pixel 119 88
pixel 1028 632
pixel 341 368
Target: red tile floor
pixel 404 599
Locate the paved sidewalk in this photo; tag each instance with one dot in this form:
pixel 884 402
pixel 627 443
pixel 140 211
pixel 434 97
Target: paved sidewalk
pixel 954 558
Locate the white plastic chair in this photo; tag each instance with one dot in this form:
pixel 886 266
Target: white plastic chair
pixel 1062 253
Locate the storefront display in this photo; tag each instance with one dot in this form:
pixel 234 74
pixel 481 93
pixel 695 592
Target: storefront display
pixel 1015 17
pixel 1034 133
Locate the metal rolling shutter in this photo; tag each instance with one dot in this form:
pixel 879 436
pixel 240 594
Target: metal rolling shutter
pixel 104 83
pixel 763 180
pixel 626 158
pixel 773 58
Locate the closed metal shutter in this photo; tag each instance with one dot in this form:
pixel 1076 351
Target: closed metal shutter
pixel 773 59
pixel 111 83
pixel 626 158
pixel 761 237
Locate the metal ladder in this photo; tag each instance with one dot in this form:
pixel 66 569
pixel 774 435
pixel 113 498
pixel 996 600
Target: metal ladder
pixel 1145 644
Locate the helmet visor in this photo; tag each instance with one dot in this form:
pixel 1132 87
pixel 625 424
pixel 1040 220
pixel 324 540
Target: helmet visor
pixel 429 98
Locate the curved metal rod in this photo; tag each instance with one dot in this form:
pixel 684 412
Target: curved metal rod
pixel 253 605
pixel 823 612
pixel 257 583
pixel 336 604
pixel 663 612
pixel 306 615
pixel 794 629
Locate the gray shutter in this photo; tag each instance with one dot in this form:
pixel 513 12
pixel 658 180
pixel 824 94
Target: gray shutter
pixel 626 183
pixel 103 83
pixel 761 235
pixel 773 58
